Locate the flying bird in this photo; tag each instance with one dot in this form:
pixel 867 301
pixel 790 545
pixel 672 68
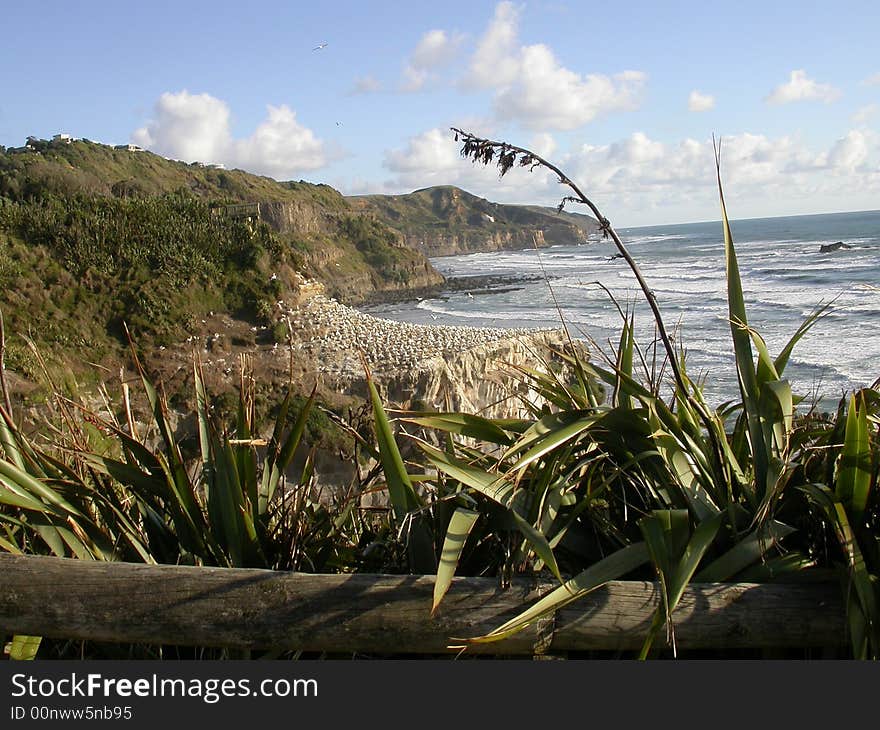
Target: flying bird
pixel 320 46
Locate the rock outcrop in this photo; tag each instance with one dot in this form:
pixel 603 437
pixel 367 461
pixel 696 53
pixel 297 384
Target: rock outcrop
pixel 446 220
pixel 829 247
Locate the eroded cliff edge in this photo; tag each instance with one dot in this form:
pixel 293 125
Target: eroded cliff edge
pixel 445 220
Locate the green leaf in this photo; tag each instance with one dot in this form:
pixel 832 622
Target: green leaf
pixel 613 567
pixel 549 432
pixel 497 488
pixel 624 365
pixel 400 489
pixel 854 467
pixel 538 543
pixel 747 551
pixel 24 648
pixel 460 526
pixel 22 483
pixel 676 559
pixel 742 348
pixel 465 424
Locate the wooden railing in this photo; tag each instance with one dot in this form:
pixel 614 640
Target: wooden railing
pixel 241 210
pixel 261 609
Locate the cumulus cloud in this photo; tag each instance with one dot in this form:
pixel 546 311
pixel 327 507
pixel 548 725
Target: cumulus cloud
pixel 534 88
pixel 865 114
pixel 494 63
pixel 196 127
pixel 698 102
pixel 365 85
pixel 432 158
pixel 543 144
pixel 800 87
pixel 850 154
pixel 435 49
pixel 187 127
pixel 640 180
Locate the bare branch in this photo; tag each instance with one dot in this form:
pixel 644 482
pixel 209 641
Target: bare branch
pixel 484 151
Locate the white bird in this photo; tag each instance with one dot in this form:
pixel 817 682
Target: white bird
pixel 471 296
pixel 320 46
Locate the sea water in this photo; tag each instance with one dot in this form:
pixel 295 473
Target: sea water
pixel 784 277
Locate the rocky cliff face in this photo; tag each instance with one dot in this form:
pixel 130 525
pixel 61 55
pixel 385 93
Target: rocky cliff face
pixel 479 380
pixel 299 217
pixel 331 256
pixel 444 221
pixel 437 243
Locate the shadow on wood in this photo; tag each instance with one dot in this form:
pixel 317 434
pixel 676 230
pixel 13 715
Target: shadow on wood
pixel 261 609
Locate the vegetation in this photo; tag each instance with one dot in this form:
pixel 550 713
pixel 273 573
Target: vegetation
pixel 92 237
pixel 616 474
pixel 645 486
pixel 155 263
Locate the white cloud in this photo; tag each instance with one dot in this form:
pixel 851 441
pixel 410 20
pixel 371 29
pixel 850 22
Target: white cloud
pixel 195 127
pixel 801 88
pixel 873 80
pixel 279 146
pixel 543 144
pixel 698 102
pixel 639 180
pixel 365 85
pixel 850 154
pixel 494 63
pixel 534 88
pixel 187 127
pixel 413 79
pixel 435 49
pixel 865 114
pixel 433 158
pixel 549 96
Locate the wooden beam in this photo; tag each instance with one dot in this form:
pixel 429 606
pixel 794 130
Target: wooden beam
pixel 262 609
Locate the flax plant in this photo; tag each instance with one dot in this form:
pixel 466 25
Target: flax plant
pixel 637 486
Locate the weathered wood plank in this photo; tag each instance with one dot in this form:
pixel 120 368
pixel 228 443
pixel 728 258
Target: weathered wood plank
pixel 260 609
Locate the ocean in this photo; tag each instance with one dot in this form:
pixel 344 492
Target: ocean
pixel 784 277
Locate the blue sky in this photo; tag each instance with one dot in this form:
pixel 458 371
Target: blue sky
pixel 625 97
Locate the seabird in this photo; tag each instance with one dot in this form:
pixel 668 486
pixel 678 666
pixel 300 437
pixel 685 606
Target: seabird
pixel 320 46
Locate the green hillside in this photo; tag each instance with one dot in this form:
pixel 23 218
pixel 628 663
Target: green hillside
pixel 93 237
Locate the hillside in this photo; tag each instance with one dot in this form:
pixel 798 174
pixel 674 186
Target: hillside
pixel 312 223
pixel 92 236
pixel 446 220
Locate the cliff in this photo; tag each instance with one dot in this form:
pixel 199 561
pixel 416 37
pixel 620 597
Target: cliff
pixel 481 380
pixel 354 255
pixel 446 220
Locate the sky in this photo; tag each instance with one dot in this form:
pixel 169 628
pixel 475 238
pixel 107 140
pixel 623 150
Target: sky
pixel 624 97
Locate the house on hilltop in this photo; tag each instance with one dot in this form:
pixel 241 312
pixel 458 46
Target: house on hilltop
pixel 65 138
pixel 128 147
